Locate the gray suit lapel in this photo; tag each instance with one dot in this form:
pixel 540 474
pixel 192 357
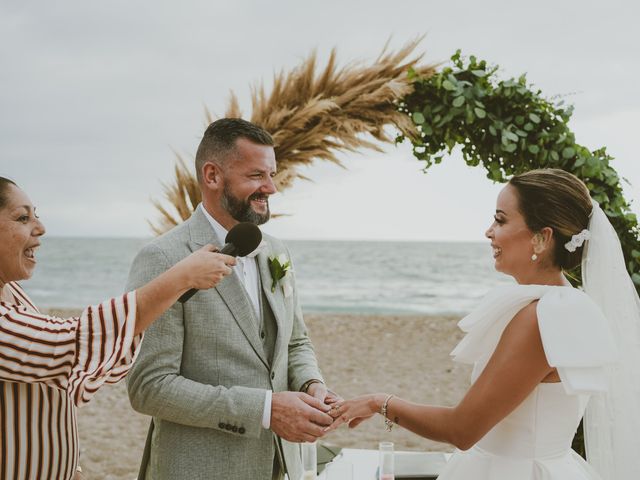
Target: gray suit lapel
pixel 275 299
pixel 230 288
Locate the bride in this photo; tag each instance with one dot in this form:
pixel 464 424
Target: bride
pixel 543 352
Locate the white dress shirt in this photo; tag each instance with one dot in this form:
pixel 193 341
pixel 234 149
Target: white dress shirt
pixel 247 271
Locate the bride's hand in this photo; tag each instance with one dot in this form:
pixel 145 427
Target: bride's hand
pixel 355 411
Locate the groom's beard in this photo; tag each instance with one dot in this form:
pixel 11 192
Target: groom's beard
pixel 241 210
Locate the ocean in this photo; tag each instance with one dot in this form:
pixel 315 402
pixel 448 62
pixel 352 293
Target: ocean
pixel 367 277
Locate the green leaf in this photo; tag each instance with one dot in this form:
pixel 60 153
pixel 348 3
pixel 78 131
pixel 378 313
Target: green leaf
pixel 534 118
pixel 493 130
pixel 511 147
pixel 458 101
pixel 479 73
pixel 426 128
pixel 447 85
pixel 534 149
pixel 418 118
pixel 568 152
pixel 480 113
pixel 510 135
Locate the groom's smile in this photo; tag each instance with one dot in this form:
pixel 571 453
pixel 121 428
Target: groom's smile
pixel 259 202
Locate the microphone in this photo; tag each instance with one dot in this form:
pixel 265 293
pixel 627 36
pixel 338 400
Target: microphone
pixel 241 240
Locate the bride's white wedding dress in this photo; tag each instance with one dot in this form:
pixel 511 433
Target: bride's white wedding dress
pixel 534 441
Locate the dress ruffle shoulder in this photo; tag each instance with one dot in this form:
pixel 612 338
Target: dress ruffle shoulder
pixel 575 335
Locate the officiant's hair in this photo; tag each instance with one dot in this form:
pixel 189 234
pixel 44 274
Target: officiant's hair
pixel 4 185
pixel 554 198
pixel 220 137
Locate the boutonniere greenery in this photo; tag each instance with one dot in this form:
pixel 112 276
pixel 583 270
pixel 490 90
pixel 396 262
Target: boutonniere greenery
pixel 280 267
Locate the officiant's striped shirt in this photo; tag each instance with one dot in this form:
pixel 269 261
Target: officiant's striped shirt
pixel 48 367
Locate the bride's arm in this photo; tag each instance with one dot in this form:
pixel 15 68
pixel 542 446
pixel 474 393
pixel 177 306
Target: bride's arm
pixel 516 367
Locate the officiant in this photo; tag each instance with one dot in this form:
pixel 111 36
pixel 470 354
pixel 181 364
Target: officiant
pixel 50 366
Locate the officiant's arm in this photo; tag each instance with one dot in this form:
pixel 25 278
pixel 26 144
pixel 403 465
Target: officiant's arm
pixel 156 386
pixel 516 367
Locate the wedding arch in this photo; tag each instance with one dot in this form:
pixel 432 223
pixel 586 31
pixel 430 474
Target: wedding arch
pixel 504 126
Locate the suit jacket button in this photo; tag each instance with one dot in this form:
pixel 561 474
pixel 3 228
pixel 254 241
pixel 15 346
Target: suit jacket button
pixel 241 430
pixel 273 375
pixel 227 426
pixel 234 429
pixel 262 334
pixel 221 425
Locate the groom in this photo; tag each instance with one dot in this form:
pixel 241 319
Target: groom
pixel 229 377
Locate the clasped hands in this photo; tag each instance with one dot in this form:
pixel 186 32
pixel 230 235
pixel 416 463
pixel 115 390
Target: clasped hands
pixel 305 417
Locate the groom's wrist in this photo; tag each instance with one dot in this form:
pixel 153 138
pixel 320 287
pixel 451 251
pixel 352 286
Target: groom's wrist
pixel 308 383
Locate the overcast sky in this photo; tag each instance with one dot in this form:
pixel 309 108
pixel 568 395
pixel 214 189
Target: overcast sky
pixel 95 95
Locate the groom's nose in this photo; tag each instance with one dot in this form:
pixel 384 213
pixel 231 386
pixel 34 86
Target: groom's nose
pixel 268 186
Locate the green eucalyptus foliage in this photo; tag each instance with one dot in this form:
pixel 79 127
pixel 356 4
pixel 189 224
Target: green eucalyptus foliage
pixel 507 127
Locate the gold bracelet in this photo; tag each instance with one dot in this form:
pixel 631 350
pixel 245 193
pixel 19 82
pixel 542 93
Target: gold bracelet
pixel 383 411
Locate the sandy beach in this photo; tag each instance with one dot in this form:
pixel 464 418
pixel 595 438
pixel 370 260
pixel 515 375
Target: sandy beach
pixel 405 355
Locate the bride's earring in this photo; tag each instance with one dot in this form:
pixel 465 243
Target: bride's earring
pixel 534 257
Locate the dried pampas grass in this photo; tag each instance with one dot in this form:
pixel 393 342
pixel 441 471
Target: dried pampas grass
pixel 314 115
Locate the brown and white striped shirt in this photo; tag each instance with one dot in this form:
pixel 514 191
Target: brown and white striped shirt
pixel 48 367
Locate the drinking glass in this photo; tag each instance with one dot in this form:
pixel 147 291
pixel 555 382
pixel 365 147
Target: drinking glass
pixel 309 461
pixel 386 468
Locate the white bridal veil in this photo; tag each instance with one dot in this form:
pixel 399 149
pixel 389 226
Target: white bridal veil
pixel 612 420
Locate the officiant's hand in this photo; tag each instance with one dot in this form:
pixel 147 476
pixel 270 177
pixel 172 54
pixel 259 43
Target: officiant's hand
pixel 298 417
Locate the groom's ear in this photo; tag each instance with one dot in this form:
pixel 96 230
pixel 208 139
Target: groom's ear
pixel 212 175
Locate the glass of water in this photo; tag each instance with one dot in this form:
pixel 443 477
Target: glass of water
pixel 309 461
pixel 386 467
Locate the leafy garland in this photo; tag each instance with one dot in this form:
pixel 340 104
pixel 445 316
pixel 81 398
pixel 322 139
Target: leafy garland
pixel 509 128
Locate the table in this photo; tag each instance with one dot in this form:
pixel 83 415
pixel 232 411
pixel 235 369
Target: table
pixel 365 462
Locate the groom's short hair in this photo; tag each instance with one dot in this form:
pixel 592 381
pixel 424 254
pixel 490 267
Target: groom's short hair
pixel 219 140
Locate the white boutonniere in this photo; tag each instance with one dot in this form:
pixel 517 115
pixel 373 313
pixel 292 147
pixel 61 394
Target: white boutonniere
pixel 280 268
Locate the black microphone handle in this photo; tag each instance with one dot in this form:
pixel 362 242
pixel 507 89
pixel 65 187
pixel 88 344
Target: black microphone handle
pixel 228 249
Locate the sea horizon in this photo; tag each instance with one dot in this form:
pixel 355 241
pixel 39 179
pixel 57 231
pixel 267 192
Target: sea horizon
pixel 405 277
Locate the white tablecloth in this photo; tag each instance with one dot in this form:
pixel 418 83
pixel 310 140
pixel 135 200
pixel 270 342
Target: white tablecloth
pixel 365 462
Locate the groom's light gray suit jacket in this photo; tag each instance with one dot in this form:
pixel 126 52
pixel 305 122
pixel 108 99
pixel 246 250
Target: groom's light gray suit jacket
pixel 204 367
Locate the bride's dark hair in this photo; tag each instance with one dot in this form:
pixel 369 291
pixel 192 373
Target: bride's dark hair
pixel 557 199
pixel 4 183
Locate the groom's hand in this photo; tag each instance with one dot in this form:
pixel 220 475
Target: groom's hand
pixel 298 417
pixel 320 391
